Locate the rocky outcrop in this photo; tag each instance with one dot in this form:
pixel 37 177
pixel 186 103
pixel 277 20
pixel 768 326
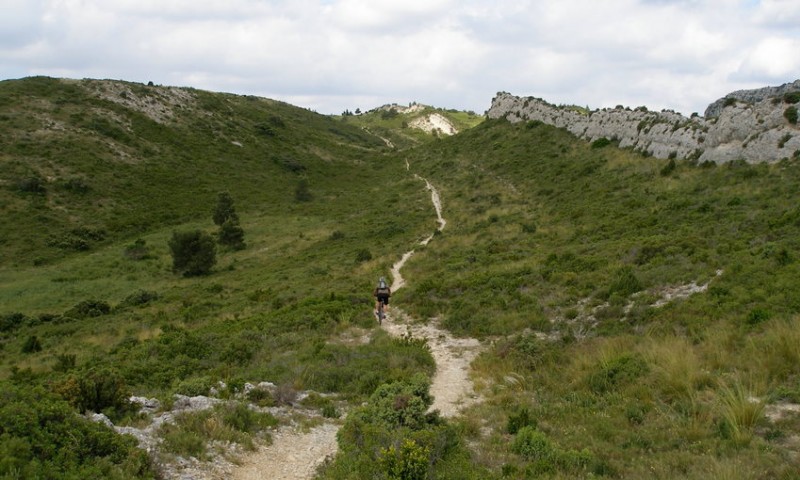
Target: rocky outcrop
pixel 751 96
pixel 754 131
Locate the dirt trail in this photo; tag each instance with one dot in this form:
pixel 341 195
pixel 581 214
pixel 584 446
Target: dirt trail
pixel 451 387
pixel 295 455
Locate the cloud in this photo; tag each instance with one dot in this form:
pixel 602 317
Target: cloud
pixel 334 54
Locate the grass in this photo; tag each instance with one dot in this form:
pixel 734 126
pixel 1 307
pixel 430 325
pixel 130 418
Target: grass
pixel 555 254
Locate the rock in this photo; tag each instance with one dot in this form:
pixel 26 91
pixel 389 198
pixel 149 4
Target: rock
pixel 147 405
pixel 755 132
pixel 751 96
pixel 99 418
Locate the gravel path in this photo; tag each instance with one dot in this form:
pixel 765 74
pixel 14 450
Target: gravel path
pixel 293 455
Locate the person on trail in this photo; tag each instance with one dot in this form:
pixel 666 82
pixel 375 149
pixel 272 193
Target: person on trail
pixel 382 293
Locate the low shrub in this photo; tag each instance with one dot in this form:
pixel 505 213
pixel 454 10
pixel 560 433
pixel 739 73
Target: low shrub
pixel 791 114
pixel 138 250
pixel 89 308
pixel 32 345
pixel 96 390
pixel 617 371
pixel 138 298
pixel 601 142
pixel 519 419
pixel 791 97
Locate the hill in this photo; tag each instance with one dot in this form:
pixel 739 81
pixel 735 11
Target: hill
pixel 91 161
pixel 638 315
pixel 404 127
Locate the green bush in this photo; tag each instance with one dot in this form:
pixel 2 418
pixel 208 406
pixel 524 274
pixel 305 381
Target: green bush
pixel 32 345
pixel 31 184
pixel 791 97
pixel 193 253
pixel 89 308
pixel 231 235
pixel 42 437
pixel 138 250
pixel 624 283
pixel 601 142
pixel 96 390
pixel 519 419
pixel 533 445
pixel 138 298
pixel 224 210
pixel 363 255
pixel 668 168
pixel 12 321
pixel 615 372
pixel 791 115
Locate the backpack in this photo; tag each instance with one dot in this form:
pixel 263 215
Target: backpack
pixel 382 289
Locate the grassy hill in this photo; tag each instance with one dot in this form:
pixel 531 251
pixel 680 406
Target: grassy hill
pixel 395 123
pixel 640 314
pixel 572 260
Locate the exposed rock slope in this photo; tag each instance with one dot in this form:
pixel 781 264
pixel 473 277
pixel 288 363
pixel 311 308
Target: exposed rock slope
pixel 751 127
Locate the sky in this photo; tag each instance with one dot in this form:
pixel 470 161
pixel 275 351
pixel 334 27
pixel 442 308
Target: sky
pixel 332 55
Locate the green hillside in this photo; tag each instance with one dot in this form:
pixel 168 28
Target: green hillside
pixel 564 256
pixel 640 316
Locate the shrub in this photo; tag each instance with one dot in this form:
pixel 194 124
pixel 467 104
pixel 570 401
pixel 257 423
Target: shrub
pixel 31 184
pixel 791 97
pixel 79 239
pixel 193 253
pixel 12 321
pixel 615 372
pixel 44 438
pixel 363 255
pixel 533 445
pixel 669 167
pixel 409 462
pixel 624 283
pixel 97 390
pixel 140 297
pixel 601 142
pixel 65 362
pixel 138 250
pixel 518 420
pixel 729 101
pixel 89 308
pixel 231 235
pixel 32 345
pixel 791 114
pixel 782 141
pixel 757 315
pixel 224 210
pixel 76 185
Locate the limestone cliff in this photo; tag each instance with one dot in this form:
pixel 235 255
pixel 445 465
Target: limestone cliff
pixel 750 125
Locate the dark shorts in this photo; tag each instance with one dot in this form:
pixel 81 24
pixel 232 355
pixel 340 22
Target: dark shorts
pixel 384 299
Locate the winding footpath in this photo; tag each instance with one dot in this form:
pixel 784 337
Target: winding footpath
pixel 295 455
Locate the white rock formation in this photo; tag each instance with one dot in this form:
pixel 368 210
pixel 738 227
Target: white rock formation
pixel 754 132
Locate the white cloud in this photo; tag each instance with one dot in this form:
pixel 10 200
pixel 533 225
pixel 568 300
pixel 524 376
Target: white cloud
pixel 336 54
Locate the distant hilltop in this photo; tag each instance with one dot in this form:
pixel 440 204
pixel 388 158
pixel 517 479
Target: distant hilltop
pixel 752 125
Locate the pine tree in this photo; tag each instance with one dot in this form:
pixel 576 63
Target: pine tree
pixel 193 253
pixel 224 209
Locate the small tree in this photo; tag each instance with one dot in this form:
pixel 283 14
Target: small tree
pixel 224 210
pixel 193 253
pixel 231 235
